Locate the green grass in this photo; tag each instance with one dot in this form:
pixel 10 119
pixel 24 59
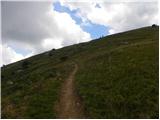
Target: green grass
pixel 117 78
pixel 33 92
pixel 121 83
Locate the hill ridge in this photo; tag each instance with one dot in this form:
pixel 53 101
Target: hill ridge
pixel 116 77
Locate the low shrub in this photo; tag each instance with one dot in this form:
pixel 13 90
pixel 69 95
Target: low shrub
pixel 25 64
pixel 64 58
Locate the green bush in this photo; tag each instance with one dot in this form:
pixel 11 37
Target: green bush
pixel 25 64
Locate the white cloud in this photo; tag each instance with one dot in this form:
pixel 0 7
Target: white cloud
pixel 9 55
pixel 69 31
pixel 111 31
pixel 36 27
pixel 118 16
pixel 50 43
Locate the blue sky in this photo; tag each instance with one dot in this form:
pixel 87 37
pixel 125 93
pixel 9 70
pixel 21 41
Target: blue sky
pixel 19 50
pixel 95 30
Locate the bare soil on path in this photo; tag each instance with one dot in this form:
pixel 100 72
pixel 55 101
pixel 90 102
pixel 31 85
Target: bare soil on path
pixel 69 105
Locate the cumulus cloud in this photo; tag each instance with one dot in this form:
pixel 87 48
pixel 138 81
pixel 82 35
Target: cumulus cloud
pixel 118 16
pixel 49 44
pixel 9 55
pixel 36 27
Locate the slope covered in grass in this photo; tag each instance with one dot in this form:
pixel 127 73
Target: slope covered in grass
pixel 120 79
pixel 117 78
pixel 115 85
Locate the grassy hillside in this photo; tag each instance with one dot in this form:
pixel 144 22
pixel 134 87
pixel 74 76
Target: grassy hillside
pixel 117 78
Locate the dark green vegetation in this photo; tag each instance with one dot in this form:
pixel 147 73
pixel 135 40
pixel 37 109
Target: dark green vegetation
pixel 117 78
pixel 30 87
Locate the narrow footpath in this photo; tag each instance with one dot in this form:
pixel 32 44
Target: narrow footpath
pixel 69 105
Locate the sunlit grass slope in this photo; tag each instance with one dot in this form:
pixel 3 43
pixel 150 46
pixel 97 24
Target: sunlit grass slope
pixel 117 78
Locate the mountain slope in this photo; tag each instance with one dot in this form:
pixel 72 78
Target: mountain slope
pixel 117 78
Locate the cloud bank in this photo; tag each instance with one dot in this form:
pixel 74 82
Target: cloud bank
pixel 29 28
pixel 118 16
pixel 36 27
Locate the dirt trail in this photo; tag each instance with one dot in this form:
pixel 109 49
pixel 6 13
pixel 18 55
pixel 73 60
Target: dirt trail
pixel 69 105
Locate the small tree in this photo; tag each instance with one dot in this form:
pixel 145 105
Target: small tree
pixel 154 25
pixel 3 66
pixel 53 49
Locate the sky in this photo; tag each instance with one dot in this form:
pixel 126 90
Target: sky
pixel 32 27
